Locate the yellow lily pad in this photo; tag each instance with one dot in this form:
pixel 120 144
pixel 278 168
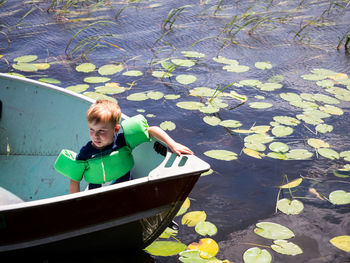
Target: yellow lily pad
pixel 208 247
pixel 341 242
pixel 292 184
pixel 191 219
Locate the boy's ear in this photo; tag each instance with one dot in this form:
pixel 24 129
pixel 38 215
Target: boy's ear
pixel 116 128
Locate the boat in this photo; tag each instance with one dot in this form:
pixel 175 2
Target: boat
pixel 37 212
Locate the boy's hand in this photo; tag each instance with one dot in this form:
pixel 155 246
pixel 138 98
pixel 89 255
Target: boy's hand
pixel 179 149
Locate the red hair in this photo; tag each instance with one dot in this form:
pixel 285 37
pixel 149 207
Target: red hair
pixel 104 111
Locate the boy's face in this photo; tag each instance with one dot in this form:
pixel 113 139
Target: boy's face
pixel 102 134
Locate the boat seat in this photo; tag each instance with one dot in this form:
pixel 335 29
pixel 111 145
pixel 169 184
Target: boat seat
pixel 8 198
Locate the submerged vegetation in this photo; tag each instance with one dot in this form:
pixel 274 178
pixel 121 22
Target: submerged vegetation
pixel 273 114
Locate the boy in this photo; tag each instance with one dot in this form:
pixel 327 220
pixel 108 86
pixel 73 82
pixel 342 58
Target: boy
pixel 103 118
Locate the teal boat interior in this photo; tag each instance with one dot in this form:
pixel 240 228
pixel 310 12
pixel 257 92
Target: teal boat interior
pixel 37 122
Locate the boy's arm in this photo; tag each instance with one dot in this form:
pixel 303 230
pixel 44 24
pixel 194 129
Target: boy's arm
pixel 161 135
pixel 74 186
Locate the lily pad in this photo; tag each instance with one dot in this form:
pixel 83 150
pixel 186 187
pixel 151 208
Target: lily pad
pixel 192 256
pixel 25 67
pixel 323 128
pixel 260 105
pixel 25 59
pixel 50 80
pixel 317 143
pixel 172 97
pixel 339 197
pixel 341 242
pixel 276 155
pixel 282 131
pixel 279 147
pixel 290 207
pixel 206 228
pixel 78 88
pixel 253 153
pixel 328 153
pixel 202 92
pixel 133 73
pixel 263 65
pixel 110 69
pixel 110 89
pixel 299 154
pixel 230 123
pixel 165 248
pixel 286 248
pixel 292 184
pixel 236 68
pixel 223 60
pixel 332 109
pixel 273 231
pixel 345 155
pixel 208 247
pixel 193 54
pixel 167 126
pixel 256 146
pixel 161 74
pixel 212 120
pixel 96 79
pixel 257 255
pixel 85 67
pixel 186 79
pixel 325 99
pixel 190 105
pixel 290 96
pixel 138 96
pixel 270 86
pixel 258 138
pixel 183 62
pixel 223 155
pixel 155 95
pixel 191 219
pixel 286 120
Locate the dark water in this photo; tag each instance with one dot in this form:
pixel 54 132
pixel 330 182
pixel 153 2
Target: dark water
pixel 239 193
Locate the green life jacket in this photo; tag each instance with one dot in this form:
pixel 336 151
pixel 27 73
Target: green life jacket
pixel 105 168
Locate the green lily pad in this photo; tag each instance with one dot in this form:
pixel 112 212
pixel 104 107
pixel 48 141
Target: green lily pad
pixel 172 97
pixel 325 99
pixel 223 60
pixel 276 155
pixel 186 79
pixel 257 255
pixel 317 143
pixel 258 138
pixel 155 95
pixel 202 92
pixel 260 105
pixel 307 96
pixel 250 82
pixel 208 109
pixel 192 256
pixel 299 154
pixel 304 104
pixel 192 54
pixel 42 66
pixel 110 89
pixel 328 153
pixel 279 147
pixel 25 59
pixel 110 69
pixel 342 173
pixel 191 219
pixel 206 228
pixel 133 73
pixel 273 231
pixel 96 79
pixel 25 67
pixel 183 62
pixel 345 155
pixel 161 74
pixel 168 232
pixel 190 105
pixel 78 88
pixel 339 197
pixel 165 248
pixel 331 109
pixel 276 79
pixel 263 65
pixel 325 83
pixel 313 120
pixel 282 131
pixel 341 242
pixel 286 120
pixel 223 155
pixel 236 68
pixel 290 207
pixel 269 86
pixel 167 126
pixel 313 77
pixel 255 146
pixel 323 128
pixel 50 80
pixel 212 120
pixel 286 248
pixel 85 67
pixel 290 96
pixel 138 96
pixel 230 124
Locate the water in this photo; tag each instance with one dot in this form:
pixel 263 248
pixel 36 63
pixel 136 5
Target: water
pixel 239 193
